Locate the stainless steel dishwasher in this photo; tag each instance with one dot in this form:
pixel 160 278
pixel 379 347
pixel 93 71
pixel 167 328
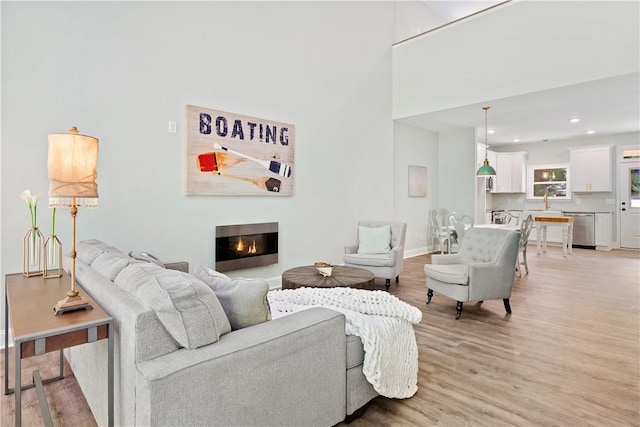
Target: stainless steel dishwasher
pixel 584 229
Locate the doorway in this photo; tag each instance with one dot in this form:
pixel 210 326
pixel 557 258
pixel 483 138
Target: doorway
pixel 629 198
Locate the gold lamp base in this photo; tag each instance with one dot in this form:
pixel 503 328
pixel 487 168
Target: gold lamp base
pixel 71 303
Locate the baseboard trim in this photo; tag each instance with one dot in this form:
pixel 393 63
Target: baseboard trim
pixel 416 252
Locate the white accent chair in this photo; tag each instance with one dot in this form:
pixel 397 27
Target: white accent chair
pixel 387 265
pixel 525 231
pixel 440 231
pixel 483 268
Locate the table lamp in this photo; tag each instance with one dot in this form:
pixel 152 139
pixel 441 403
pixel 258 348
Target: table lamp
pixel 72 172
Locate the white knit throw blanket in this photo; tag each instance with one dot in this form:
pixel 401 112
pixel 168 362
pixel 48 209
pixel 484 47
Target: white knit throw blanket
pixel 382 322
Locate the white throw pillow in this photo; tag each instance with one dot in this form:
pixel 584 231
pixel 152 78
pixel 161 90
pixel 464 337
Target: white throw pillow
pixel 244 300
pixel 187 308
pixel 374 240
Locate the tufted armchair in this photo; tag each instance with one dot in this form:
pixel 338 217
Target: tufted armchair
pixel 483 268
pixel 381 254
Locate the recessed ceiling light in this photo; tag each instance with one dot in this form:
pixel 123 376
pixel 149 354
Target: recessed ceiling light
pixel 591 132
pixel 491 131
pixel 516 140
pixel 574 120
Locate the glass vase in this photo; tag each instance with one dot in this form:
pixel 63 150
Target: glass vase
pixel 32 261
pixel 52 251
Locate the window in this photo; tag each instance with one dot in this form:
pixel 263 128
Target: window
pixel 634 187
pixel 548 180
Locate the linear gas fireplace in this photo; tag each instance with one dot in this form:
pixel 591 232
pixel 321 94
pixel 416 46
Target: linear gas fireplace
pixel 246 245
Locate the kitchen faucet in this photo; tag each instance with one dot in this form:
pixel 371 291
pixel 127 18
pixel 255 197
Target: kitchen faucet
pixel 547 205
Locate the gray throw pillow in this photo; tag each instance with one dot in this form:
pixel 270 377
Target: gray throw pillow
pixel 185 306
pixel 244 300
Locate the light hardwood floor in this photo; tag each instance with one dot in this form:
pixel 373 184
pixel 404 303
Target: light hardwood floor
pixel 568 355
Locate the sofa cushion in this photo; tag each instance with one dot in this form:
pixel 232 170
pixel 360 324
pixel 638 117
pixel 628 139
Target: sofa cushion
pixel 187 308
pixel 449 273
pixel 89 250
pixel 355 351
pixel 371 260
pixel 109 264
pixel 374 240
pixel 244 300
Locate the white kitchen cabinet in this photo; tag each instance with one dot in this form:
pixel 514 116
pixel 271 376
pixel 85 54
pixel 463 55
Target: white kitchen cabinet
pixel 603 231
pixel 591 170
pixel 510 172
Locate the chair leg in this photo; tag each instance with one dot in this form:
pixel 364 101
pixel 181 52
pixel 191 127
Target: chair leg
pixel 524 258
pixel 387 284
pixel 429 295
pixel 398 279
pixel 507 306
pixel 458 309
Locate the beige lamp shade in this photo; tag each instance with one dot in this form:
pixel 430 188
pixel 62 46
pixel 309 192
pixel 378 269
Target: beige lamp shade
pixel 72 170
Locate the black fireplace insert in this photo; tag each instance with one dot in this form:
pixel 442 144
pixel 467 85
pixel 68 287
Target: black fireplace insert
pixel 246 245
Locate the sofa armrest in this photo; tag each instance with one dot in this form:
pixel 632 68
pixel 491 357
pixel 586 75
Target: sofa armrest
pixel 496 281
pixel 351 249
pixel 276 360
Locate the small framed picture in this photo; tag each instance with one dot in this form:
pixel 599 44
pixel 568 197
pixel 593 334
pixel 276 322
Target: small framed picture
pixel 417 181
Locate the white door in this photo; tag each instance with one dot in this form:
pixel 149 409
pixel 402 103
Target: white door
pixel 629 188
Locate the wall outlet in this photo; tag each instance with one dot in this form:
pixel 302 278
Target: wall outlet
pixel 173 127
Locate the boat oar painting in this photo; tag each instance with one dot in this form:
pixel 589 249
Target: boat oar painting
pixel 231 154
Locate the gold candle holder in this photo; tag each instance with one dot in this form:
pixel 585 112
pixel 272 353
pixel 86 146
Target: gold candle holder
pixel 52 250
pixel 32 252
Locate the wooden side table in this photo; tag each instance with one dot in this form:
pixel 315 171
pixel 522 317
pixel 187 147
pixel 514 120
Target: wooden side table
pixel 37 330
pixel 341 276
pixel 566 222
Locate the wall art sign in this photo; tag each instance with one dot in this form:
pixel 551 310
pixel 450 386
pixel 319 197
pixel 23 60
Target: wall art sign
pixel 232 154
pixel 417 181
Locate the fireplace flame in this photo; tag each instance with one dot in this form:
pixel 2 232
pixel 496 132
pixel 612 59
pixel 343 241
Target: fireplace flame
pixel 240 247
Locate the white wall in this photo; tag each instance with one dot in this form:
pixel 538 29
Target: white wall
pixel 413 18
pixel 121 70
pixel 516 48
pixel 415 146
pixel 456 179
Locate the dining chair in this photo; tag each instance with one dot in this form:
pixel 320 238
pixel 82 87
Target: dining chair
pixel 440 230
pixel 525 231
pixel 459 223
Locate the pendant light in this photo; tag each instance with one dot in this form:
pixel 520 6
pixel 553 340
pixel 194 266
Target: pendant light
pixel 486 169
